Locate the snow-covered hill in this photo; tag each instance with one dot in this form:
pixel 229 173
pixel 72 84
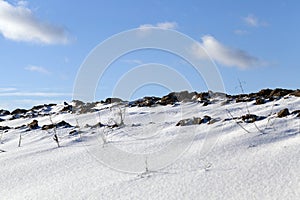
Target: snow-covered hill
pixel 243 147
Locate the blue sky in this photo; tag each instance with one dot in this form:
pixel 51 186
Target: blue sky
pixel 43 43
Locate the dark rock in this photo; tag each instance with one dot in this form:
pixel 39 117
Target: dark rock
pixel 112 100
pixel 279 92
pixel 4 112
pixel 296 112
pixel 63 124
pixel 188 122
pixel 296 93
pixel 168 99
pixel 47 127
pixel 3 128
pixel 1 120
pixel 67 108
pixel 206 119
pixel 184 95
pixel 283 113
pixel 33 125
pixel 264 93
pixel 37 107
pixel 259 101
pixel 249 118
pixel 206 103
pixel 204 96
pixel 19 111
pixel 73 132
pixel 21 127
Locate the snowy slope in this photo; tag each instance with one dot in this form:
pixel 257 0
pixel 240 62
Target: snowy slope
pixel 248 161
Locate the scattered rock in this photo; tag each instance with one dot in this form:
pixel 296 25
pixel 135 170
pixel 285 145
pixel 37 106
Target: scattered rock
pixel 249 118
pixel 295 112
pixel 33 125
pixel 67 108
pixel 259 101
pixel 264 93
pixel 112 100
pixel 168 99
pixel 4 112
pixel 296 93
pixel 279 92
pixel 283 113
pixel 203 96
pixel 47 127
pixel 206 119
pixel 21 127
pixel 73 132
pixel 63 124
pixel 3 128
pixel 19 111
pixel 184 95
pixel 188 122
pixel 206 103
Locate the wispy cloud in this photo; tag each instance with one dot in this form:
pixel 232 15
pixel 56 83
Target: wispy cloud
pixel 224 55
pixel 38 69
pixel 8 89
pixel 252 20
pixel 162 25
pixel 18 23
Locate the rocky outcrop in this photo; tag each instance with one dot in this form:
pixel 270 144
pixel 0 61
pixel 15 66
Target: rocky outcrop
pixel 3 128
pixel 283 113
pixel 19 111
pixel 61 124
pixel 194 121
pixel 33 125
pixel 4 112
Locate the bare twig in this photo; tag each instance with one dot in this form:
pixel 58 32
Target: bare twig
pixel 237 121
pixel 20 140
pixel 242 89
pixel 55 137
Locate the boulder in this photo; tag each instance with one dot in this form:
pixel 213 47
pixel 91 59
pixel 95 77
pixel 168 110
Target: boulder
pixel 4 112
pixel 47 127
pixel 264 93
pixel 296 93
pixel 249 118
pixel 67 108
pixel 168 99
pixel 259 101
pixel 63 124
pixel 190 121
pixel 33 125
pixel 3 128
pixel 19 111
pixel 112 100
pixel 283 113
pixel 279 92
pixel 206 119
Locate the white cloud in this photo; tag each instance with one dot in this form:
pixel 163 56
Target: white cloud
pixel 162 25
pixel 37 69
pixel 7 89
pixel 253 21
pixel 19 23
pixel 224 55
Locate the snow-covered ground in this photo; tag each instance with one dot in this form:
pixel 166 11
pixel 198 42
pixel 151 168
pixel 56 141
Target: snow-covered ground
pixel 242 160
